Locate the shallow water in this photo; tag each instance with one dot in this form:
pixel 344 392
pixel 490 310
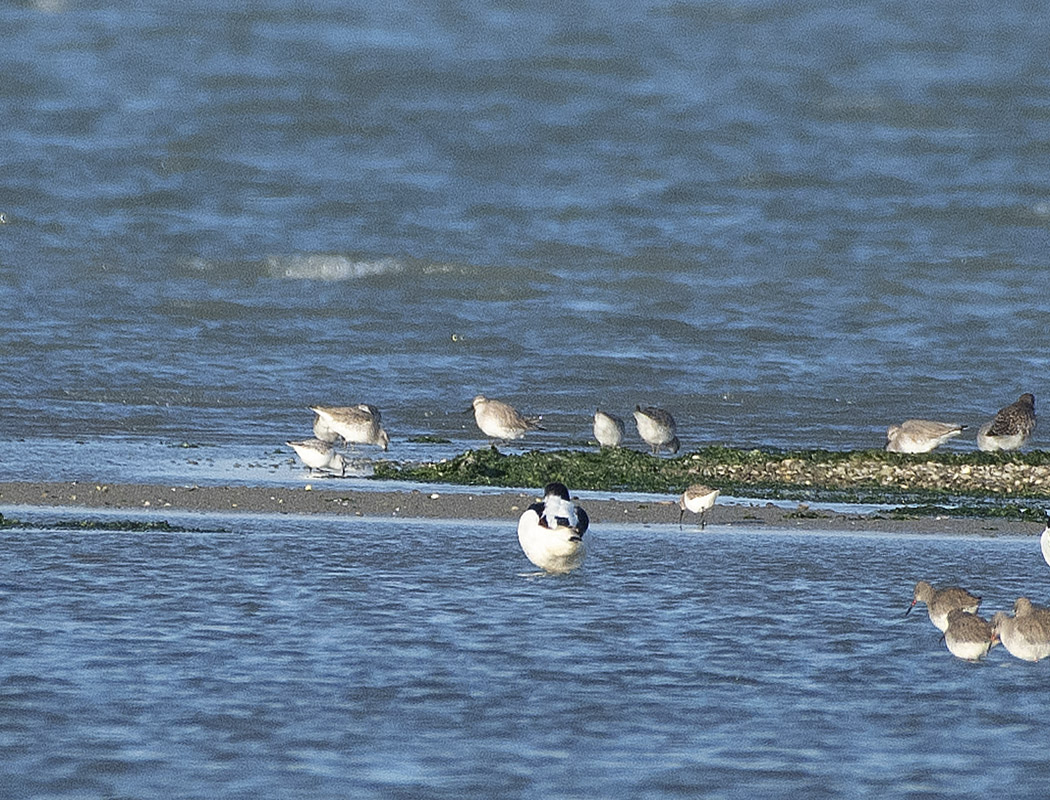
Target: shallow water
pixel 790 224
pixel 294 657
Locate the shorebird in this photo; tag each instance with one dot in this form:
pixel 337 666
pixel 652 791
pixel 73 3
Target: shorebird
pixel 697 498
pixel 940 601
pixel 358 424
pixel 657 428
pixel 498 420
pixel 920 435
pixel 968 636
pixel 323 431
pixel 551 532
pixel 1025 635
pixel 1012 426
pixel 1044 540
pixel 318 454
pixel 608 429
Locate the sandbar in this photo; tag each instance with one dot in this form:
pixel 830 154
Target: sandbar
pixel 461 503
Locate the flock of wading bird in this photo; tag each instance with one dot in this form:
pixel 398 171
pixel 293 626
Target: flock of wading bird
pixel 1025 635
pixel 551 531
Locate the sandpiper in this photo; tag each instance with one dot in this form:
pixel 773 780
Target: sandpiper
pixel 551 532
pixel 657 428
pixel 940 601
pixel 1025 635
pixel 319 455
pixel 499 420
pixel 608 429
pixel 968 636
pixel 697 498
pixel 1044 540
pixel 1012 426
pixel 920 435
pixel 358 424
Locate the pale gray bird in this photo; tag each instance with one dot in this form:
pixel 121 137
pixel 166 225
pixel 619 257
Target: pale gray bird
pixel 608 429
pixel 498 420
pixel 319 455
pixel 920 435
pixel 657 428
pixel 358 424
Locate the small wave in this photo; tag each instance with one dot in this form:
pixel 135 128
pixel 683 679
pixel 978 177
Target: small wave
pixel 321 267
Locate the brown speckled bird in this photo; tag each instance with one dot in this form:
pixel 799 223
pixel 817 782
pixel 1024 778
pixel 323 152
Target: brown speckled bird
pixel 1012 426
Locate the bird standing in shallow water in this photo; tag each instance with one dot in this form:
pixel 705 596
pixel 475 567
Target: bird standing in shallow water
pixel 920 435
pixel 551 532
pixel 968 636
pixel 318 454
pixel 657 428
pixel 941 601
pixel 498 420
pixel 358 424
pixel 608 429
pixel 697 498
pixel 1012 427
pixel 1025 635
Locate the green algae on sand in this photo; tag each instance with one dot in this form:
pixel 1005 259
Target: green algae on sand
pixel 864 476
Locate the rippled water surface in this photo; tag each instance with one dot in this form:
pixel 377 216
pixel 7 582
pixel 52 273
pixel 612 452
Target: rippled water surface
pixel 287 657
pixel 790 224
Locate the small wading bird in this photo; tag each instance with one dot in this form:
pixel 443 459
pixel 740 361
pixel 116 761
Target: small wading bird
pixel 698 499
pixel 608 429
pixel 657 428
pixel 551 532
pixel 498 420
pixel 319 455
pixel 1012 427
pixel 1025 635
pixel 358 424
pixel 940 601
pixel 920 435
pixel 968 636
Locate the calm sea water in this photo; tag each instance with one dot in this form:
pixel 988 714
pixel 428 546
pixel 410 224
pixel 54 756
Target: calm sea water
pixel 790 224
pixel 286 657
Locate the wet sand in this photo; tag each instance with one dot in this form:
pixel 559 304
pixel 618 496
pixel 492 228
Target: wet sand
pixel 460 503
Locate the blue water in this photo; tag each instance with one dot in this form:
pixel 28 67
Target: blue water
pixel 789 224
pixel 295 657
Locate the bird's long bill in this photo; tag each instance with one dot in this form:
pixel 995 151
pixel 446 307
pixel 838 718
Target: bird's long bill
pixel 906 613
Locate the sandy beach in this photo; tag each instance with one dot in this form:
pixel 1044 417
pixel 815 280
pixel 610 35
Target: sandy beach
pixel 460 503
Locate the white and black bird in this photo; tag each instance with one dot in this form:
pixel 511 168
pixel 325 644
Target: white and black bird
pixel 608 429
pixel 551 532
pixel 1012 427
pixel 698 498
pixel 657 428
